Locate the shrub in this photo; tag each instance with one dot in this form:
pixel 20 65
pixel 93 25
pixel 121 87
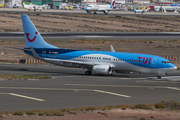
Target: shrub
pixel 30 113
pixel 103 109
pixel 142 118
pixel 150 41
pixel 102 113
pixel 90 108
pixel 57 113
pixel 151 116
pixel 124 108
pixel 160 105
pixel 142 106
pixel 40 114
pixel 49 114
pixel 63 110
pixel 133 107
pixel 171 104
pixel 18 113
pixel 87 109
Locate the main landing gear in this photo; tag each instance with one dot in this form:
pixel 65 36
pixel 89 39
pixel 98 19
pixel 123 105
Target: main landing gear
pixel 88 73
pixel 158 77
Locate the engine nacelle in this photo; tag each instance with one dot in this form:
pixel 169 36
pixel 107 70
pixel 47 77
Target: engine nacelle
pixel 102 69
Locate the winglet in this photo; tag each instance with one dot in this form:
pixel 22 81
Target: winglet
pixel 35 55
pixel 112 49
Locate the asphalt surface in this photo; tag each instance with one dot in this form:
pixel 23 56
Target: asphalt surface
pixel 116 13
pixel 14 36
pixel 70 88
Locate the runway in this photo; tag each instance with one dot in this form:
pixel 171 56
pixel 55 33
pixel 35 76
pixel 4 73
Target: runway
pixel 14 36
pixel 70 88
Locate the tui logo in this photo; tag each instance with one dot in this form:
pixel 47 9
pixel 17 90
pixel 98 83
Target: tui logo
pixel 31 40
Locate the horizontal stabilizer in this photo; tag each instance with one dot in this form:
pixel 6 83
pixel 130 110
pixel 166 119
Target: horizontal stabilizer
pixel 20 48
pixel 35 55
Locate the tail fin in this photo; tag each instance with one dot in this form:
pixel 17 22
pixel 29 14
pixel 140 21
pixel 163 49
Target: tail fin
pixel 32 36
pixel 113 4
pixel 134 9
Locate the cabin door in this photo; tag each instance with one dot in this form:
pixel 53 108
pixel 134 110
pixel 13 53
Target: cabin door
pixel 153 64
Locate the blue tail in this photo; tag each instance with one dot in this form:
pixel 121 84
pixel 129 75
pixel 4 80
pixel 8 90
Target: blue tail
pixel 32 36
pixel 134 9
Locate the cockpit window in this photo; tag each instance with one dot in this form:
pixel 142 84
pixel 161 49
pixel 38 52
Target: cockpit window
pixel 165 62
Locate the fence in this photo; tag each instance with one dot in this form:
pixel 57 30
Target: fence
pixel 172 57
pixel 34 61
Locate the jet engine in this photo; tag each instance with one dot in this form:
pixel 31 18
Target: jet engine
pixel 105 12
pixel 102 69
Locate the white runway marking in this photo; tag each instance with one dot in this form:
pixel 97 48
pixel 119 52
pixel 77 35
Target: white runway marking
pixel 164 87
pixel 111 93
pixel 32 98
pixel 26 97
pixel 173 88
pixel 150 81
pixel 92 90
pixel 168 78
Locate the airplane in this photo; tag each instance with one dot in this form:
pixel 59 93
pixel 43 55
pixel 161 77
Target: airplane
pixel 32 7
pixel 165 8
pixel 140 11
pixel 97 62
pixel 100 8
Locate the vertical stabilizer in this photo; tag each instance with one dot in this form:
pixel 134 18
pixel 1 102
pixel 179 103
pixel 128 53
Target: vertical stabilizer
pixel 32 36
pixel 112 49
pixel 113 4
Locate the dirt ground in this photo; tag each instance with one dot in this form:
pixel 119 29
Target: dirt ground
pixel 50 23
pixel 114 114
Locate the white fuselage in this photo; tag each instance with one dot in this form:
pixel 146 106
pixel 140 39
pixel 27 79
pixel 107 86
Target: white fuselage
pixel 157 8
pixel 118 65
pixel 98 7
pixel 32 7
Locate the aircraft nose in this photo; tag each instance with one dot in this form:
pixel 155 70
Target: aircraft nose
pixel 172 67
pixel 175 68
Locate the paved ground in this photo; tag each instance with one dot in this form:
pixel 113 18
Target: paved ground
pixel 9 36
pixel 70 88
pixel 111 13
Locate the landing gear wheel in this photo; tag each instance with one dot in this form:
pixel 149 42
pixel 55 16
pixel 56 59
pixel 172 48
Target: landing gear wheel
pixel 88 73
pixel 158 77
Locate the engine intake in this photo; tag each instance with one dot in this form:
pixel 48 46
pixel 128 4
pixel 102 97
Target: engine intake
pixel 102 69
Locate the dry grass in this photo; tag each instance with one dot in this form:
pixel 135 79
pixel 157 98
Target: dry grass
pixel 21 77
pixel 66 23
pixel 126 112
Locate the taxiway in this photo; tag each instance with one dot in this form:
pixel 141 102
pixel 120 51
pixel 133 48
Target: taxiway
pixel 70 88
